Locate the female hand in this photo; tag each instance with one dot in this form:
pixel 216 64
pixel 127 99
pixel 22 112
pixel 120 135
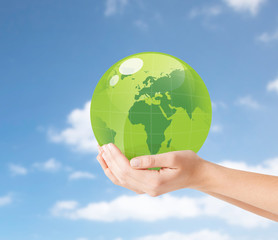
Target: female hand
pixel 179 169
pixel 254 192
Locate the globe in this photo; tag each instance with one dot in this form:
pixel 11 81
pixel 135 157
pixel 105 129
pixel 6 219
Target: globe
pixel 151 103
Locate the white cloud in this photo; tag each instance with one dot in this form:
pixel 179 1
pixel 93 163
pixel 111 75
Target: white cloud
pixel 204 234
pixel 79 175
pixel 251 6
pixel 82 238
pixel 50 165
pixel 80 134
pixel 63 206
pixel 114 6
pixel 205 11
pixel 16 169
pixel 216 128
pixel 268 37
pixel 141 24
pixel 249 102
pixel 273 86
pixel 269 166
pixel 5 200
pixel 151 209
pixel 122 208
pixel 218 105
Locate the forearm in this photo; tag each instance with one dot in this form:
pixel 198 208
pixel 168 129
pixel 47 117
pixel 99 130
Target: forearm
pixel 246 206
pixel 257 190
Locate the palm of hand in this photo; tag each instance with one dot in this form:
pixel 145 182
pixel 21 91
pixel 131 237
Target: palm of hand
pixel 178 169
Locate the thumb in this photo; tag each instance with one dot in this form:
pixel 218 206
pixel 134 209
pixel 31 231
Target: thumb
pixel 150 161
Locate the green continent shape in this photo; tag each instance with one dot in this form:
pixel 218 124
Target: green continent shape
pixel 104 134
pixel 174 85
pixel 165 104
pixel 153 120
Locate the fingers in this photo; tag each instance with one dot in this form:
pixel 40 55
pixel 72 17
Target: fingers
pixel 110 161
pixel 116 181
pixel 119 157
pixel 124 169
pixel 106 170
pixel 101 161
pixel 136 176
pixel 152 161
pixel 116 161
pixel 111 176
pixel 118 167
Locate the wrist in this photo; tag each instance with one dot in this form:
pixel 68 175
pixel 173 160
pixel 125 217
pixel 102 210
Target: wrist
pixel 206 176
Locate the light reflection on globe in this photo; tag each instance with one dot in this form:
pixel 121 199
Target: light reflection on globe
pixel 150 103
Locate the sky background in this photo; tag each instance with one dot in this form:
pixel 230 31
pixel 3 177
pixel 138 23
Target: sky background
pixel 52 55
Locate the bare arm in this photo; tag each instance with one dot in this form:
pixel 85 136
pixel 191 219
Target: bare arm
pixel 246 206
pixel 252 189
pixel 257 193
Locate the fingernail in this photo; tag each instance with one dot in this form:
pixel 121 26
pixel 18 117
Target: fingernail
pixel 134 162
pixel 110 145
pixel 104 147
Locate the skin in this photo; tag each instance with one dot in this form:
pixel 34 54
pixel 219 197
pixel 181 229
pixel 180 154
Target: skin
pixel 254 192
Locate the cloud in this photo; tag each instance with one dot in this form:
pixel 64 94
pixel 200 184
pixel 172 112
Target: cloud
pixel 81 175
pixel 218 105
pixel 5 200
pixel 216 128
pixel 273 86
pixel 122 208
pixel 204 234
pixel 167 206
pixel 82 238
pixel 114 6
pixel 150 209
pixel 269 166
pixel 141 24
pixel 205 11
pixel 50 165
pixel 63 206
pixel 17 170
pixel 79 134
pixel 251 6
pixel 249 102
pixel 268 37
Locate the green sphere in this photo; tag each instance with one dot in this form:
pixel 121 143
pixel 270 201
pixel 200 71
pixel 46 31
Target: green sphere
pixel 151 103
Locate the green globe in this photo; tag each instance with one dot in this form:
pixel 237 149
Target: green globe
pixel 150 103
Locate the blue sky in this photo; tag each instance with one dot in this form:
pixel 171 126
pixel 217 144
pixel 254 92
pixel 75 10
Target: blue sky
pixel 52 55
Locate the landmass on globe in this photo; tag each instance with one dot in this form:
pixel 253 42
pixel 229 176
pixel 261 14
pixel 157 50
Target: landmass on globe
pixel 151 103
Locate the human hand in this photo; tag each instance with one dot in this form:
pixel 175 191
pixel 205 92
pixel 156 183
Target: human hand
pixel 185 169
pixel 178 169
